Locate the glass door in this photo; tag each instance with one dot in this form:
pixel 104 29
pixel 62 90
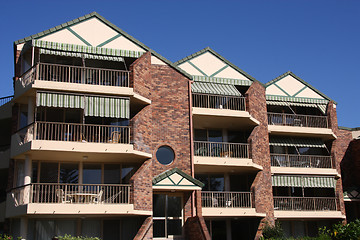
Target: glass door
pixel 167 216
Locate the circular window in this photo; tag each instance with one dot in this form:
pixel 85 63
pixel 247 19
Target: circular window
pixel 165 155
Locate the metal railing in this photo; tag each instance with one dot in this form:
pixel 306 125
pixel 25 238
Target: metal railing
pixel 74 132
pixel 4 100
pixel 300 161
pixel 71 193
pixel 296 120
pixel 76 74
pixel 305 203
pixel 221 149
pixel 226 199
pixel 218 102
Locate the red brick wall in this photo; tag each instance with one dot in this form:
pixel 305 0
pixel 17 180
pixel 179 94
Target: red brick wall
pixel 338 149
pixel 260 153
pixel 145 231
pixel 164 122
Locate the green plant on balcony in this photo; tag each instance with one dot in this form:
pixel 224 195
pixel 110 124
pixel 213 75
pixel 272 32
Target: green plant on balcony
pixel 8 237
pixel 69 237
pixel 273 231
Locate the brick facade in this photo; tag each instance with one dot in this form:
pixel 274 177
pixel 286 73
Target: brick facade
pixel 260 154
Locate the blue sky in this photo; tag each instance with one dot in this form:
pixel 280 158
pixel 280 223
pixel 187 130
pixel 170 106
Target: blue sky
pixel 317 40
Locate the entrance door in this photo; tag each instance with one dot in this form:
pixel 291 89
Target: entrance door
pixel 167 216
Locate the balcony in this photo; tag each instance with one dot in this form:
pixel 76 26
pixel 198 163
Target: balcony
pixel 6 107
pixel 221 156
pixel 217 204
pixel 306 207
pixel 299 125
pixel 74 140
pixel 302 164
pixel 213 110
pixel 58 77
pixel 55 198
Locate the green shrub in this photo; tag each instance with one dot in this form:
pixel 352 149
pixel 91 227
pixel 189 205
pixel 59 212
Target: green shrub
pixel 350 231
pixel 273 231
pixel 69 237
pixel 7 237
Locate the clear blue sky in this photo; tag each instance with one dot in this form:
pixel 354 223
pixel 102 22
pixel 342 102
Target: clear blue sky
pixel 317 40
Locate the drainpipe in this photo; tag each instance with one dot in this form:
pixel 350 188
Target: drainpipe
pixel 193 212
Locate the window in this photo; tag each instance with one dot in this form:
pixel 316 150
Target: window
pixel 165 155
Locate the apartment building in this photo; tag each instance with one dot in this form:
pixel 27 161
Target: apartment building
pixel 105 137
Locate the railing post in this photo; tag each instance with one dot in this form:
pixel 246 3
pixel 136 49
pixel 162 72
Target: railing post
pixel 314 204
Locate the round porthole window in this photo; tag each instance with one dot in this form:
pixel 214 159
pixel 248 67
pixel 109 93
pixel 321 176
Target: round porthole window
pixel 165 155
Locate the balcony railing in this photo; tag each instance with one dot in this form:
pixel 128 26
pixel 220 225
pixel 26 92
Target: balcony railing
pixel 71 193
pixel 296 120
pixel 4 100
pixel 300 161
pixel 73 132
pixel 305 203
pixel 218 102
pixel 76 74
pixel 226 199
pixel 220 149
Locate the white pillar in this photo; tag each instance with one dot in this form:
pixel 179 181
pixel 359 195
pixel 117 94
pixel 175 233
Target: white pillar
pixel 30 110
pixel 27 178
pixel 227 182
pixel 23 228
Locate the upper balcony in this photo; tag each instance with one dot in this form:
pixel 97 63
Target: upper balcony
pixel 74 199
pixel 302 164
pixel 46 76
pixel 299 125
pixel 46 140
pixel 228 204
pixel 223 157
pixel 211 111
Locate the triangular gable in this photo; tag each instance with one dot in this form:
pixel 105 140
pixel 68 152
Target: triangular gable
pixel 177 180
pixel 292 88
pixel 209 64
pixel 93 30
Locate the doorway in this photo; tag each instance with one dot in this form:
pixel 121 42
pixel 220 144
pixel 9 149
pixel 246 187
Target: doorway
pixel 167 216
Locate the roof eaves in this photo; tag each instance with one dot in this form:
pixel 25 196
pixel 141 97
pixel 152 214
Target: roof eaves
pixel 208 49
pixel 302 81
pixel 348 128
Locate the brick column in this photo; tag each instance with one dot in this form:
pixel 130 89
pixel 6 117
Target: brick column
pixel 260 153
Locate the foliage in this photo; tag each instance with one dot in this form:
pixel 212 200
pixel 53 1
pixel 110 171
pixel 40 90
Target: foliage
pixel 350 231
pixel 273 231
pixel 69 237
pixel 7 237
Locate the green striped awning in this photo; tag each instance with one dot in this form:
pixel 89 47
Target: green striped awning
pixel 296 99
pixel 85 49
pixel 97 106
pixel 231 81
pixel 303 181
pixel 321 107
pixel 81 55
pixel 214 88
pixel 45 99
pixel 296 142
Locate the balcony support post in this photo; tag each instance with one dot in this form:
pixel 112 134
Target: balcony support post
pixel 27 178
pixel 23 227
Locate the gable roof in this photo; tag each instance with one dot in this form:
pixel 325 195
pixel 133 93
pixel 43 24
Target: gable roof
pixel 170 172
pixel 289 73
pixel 208 49
pixel 114 27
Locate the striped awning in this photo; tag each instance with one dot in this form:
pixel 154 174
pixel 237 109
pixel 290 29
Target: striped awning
pixel 97 106
pixel 321 107
pixel 85 49
pixel 296 142
pixel 231 81
pixel 296 99
pixel 214 88
pixel 81 55
pixel 303 181
pixel 45 99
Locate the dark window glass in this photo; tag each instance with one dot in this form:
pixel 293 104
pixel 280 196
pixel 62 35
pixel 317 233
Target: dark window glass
pixel 54 115
pixel 165 155
pixel 200 135
pixel 111 174
pixel 217 183
pixel 205 180
pixel 159 205
pixel 174 206
pixel 34 177
pixel 92 174
pixel 49 173
pixel 174 226
pixel 69 173
pixel 218 229
pixel 73 115
pixel 215 136
pixel 111 229
pixel 126 173
pixel 159 228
